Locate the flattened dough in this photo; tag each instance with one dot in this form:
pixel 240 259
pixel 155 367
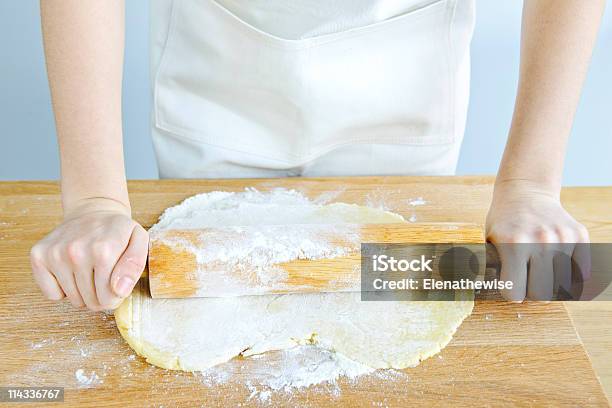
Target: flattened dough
pixel 195 334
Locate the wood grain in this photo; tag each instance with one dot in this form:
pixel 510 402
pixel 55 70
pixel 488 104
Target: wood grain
pixel 503 354
pixel 175 272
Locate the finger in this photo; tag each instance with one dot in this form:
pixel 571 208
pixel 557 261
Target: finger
pixel 105 254
pixel 582 257
pixel 106 297
pixel 540 277
pixel 562 267
pixel 513 269
pixel 130 265
pixel 65 277
pixel 81 263
pixel 84 278
pixel 58 264
pixel 46 281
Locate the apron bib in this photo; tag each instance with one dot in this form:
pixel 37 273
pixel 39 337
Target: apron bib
pixel 232 100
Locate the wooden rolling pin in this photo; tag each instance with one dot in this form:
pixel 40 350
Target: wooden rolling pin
pixel 222 262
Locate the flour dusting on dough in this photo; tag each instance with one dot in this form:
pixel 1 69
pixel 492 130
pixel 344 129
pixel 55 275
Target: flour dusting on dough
pixel 254 253
pixel 296 369
pixel 256 231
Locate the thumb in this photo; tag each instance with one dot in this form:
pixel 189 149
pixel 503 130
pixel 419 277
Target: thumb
pixel 130 265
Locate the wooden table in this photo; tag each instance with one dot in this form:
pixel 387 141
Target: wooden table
pixel 527 355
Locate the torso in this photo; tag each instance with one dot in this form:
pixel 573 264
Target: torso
pixel 309 87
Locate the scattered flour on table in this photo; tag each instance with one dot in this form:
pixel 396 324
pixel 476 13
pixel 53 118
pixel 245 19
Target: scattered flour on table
pixel 81 360
pixel 85 380
pixel 379 199
pixel 42 343
pixel 415 202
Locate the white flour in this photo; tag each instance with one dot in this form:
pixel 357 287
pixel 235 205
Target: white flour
pixel 304 366
pixel 85 380
pixel 255 252
pixel 416 202
pixel 256 231
pixel 250 207
pixel 299 368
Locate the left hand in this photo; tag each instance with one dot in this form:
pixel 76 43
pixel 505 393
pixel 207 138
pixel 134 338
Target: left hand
pixel 523 213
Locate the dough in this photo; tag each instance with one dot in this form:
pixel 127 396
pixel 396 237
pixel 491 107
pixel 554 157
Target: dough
pixel 195 334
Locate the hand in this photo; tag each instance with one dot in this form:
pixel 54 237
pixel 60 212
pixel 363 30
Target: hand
pixel 521 213
pixel 95 257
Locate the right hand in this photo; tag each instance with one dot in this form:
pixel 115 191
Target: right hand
pixel 531 229
pixel 94 257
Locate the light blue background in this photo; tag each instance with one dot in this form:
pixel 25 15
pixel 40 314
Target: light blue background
pixel 29 150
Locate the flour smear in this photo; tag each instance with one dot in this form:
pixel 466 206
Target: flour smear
pixel 299 368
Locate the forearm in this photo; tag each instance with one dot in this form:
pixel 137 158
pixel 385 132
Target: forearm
pixel 84 51
pixel 556 44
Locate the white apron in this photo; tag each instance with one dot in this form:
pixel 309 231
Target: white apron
pixel 382 90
